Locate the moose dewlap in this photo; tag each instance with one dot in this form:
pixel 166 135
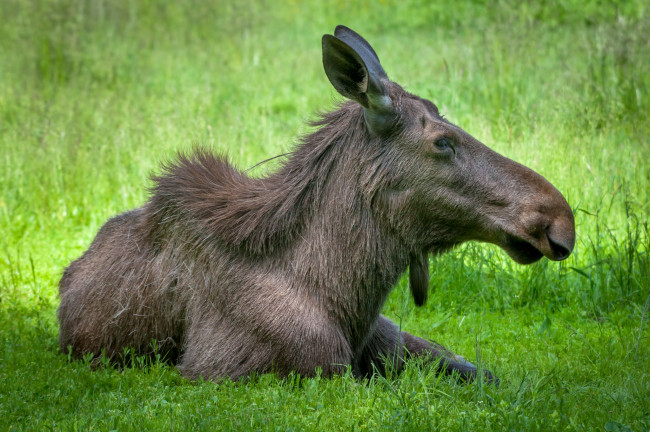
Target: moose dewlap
pixel 232 274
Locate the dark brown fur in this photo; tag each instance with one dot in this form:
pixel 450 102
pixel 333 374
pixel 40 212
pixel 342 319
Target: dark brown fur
pixel 289 272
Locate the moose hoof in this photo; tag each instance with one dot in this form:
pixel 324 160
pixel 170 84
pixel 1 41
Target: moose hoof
pixel 490 378
pixel 468 371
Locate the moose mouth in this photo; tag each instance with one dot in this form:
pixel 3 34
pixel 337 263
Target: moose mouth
pixel 521 251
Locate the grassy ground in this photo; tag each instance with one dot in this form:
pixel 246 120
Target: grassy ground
pixel 94 95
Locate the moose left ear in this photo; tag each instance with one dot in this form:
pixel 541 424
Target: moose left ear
pixel 353 68
pixel 419 277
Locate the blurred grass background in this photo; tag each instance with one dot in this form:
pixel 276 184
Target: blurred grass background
pixel 95 95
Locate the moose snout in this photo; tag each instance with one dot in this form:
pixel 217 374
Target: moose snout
pixel 560 236
pixel 548 232
pixel 552 233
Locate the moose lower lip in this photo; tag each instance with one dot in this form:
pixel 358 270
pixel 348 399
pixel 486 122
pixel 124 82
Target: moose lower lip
pixel 521 251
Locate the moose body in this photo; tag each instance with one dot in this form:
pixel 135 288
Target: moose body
pixel 232 274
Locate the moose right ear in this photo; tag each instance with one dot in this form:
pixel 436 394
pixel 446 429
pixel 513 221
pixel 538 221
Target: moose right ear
pixel 345 69
pixel 354 70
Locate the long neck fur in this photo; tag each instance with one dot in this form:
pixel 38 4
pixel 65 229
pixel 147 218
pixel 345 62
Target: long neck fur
pixel 317 211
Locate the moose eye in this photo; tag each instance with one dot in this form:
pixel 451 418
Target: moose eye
pixel 442 144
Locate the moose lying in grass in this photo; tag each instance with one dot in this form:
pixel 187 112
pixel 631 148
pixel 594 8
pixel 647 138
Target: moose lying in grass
pixel 232 274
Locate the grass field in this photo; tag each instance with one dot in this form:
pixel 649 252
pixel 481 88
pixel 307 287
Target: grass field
pixel 95 95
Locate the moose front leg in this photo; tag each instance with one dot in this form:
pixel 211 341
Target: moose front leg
pixel 388 344
pixel 448 362
pixel 383 349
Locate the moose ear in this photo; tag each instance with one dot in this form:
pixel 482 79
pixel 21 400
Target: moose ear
pixel 354 70
pixel 419 277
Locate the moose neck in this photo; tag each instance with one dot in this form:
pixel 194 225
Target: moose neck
pixel 345 254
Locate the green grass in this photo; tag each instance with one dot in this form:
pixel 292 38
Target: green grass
pixel 94 95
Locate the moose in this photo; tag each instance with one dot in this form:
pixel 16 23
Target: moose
pixel 233 274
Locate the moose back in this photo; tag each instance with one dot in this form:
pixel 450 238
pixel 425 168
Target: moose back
pixel 232 274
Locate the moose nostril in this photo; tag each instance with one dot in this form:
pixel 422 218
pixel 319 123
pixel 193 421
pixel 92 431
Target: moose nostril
pixel 561 237
pixel 560 251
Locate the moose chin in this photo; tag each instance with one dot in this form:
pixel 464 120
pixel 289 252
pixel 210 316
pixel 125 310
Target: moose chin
pixel 232 274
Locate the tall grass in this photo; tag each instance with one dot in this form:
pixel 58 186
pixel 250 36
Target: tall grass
pixel 94 95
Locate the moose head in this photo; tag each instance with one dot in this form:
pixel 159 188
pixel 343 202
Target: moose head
pixel 446 187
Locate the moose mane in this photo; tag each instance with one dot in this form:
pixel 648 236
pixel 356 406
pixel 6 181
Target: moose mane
pixel 254 215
